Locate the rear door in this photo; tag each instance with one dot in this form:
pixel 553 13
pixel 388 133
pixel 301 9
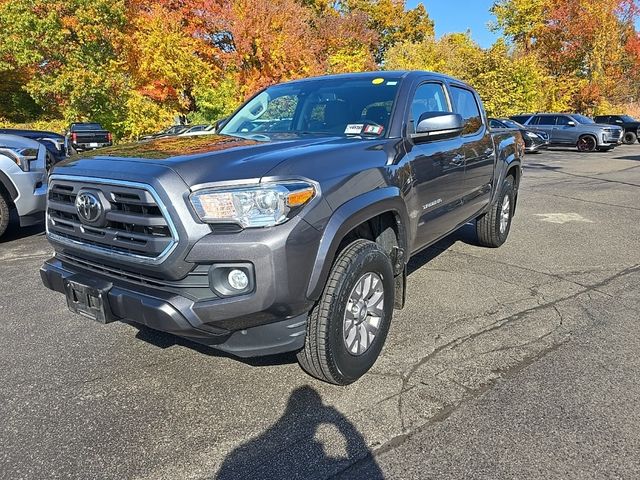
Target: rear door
pixel 436 186
pixel 478 150
pixel 546 123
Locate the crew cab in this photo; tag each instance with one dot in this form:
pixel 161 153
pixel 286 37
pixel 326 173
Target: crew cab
pixel 291 229
pixel 88 136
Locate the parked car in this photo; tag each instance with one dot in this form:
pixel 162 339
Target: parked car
pixel 292 229
pixel 167 132
pixel 576 130
pixel 630 125
pixel 197 130
pixel 88 136
pixel 23 180
pixel 55 143
pixel 534 140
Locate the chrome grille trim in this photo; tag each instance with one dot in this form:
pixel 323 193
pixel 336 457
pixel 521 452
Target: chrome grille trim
pixel 92 247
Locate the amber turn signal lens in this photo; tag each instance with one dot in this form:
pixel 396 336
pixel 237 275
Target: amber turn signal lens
pixel 300 197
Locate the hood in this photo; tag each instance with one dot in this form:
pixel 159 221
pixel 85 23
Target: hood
pixel 603 125
pixel 202 159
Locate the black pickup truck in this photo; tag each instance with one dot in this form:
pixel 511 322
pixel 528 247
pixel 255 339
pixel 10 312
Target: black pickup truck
pixel 88 136
pixel 290 230
pixel 630 125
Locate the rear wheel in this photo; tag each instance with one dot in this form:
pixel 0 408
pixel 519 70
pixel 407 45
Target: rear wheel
pixel 630 138
pixel 493 227
pixel 348 327
pixel 587 143
pixel 4 214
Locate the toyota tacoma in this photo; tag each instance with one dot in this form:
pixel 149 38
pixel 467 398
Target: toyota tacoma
pixel 291 229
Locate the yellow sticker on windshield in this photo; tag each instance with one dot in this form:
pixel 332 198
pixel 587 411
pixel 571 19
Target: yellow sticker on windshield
pixel 377 81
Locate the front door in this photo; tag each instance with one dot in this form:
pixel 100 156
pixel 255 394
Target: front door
pixel 436 186
pixel 564 132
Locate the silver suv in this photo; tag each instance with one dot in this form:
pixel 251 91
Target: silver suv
pixel 576 130
pixel 23 180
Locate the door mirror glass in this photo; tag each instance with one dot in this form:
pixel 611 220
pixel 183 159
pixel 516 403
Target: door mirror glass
pixel 439 125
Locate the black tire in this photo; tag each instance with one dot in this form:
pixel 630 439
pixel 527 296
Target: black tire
pixel 490 234
pixel 4 214
pixel 629 138
pixel 587 143
pixel 325 354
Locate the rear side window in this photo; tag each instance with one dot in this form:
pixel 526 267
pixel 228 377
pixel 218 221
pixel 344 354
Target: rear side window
pixel 544 120
pixel 465 104
pixel 429 97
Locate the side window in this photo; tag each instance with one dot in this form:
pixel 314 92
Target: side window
pixel 495 124
pixel 546 120
pixel 465 104
pixel 429 97
pixel 563 121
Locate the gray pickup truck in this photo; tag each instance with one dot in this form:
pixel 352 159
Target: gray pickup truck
pixel 572 129
pixel 291 229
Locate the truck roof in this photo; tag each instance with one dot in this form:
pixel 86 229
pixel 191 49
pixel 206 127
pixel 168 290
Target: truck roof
pixel 386 74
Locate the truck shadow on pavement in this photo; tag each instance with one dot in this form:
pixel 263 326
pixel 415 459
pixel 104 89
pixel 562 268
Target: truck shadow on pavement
pixel 291 448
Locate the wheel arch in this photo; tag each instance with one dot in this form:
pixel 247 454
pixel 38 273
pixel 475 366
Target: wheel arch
pixel 366 216
pixel 7 188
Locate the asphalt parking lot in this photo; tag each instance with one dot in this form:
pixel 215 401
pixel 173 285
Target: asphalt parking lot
pixel 515 362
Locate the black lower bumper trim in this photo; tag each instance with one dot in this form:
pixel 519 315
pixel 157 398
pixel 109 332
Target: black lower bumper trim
pixel 160 314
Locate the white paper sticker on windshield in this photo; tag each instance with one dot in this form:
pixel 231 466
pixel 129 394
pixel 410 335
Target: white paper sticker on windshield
pixel 354 128
pixel 392 83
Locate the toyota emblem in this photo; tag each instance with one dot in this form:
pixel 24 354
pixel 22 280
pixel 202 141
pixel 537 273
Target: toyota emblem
pixel 89 207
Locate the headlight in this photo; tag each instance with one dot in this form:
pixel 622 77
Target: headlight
pixel 532 135
pixel 262 205
pixel 21 156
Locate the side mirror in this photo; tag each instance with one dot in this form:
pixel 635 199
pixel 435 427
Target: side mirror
pixel 439 125
pixel 571 123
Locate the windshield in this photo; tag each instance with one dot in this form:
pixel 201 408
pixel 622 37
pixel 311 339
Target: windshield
pixel 336 106
pixel 628 118
pixel 512 124
pixel 582 119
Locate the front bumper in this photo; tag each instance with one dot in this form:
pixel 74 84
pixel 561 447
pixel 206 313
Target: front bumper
pixel 534 145
pixel 609 140
pixel 169 310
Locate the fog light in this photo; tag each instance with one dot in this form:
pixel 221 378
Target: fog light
pixel 238 279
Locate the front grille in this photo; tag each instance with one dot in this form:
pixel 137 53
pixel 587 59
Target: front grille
pixel 613 133
pixel 136 223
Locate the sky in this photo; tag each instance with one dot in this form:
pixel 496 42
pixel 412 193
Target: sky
pixel 459 16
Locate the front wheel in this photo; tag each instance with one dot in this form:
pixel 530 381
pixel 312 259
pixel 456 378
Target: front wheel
pixel 629 138
pixel 587 143
pixel 493 227
pixel 348 326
